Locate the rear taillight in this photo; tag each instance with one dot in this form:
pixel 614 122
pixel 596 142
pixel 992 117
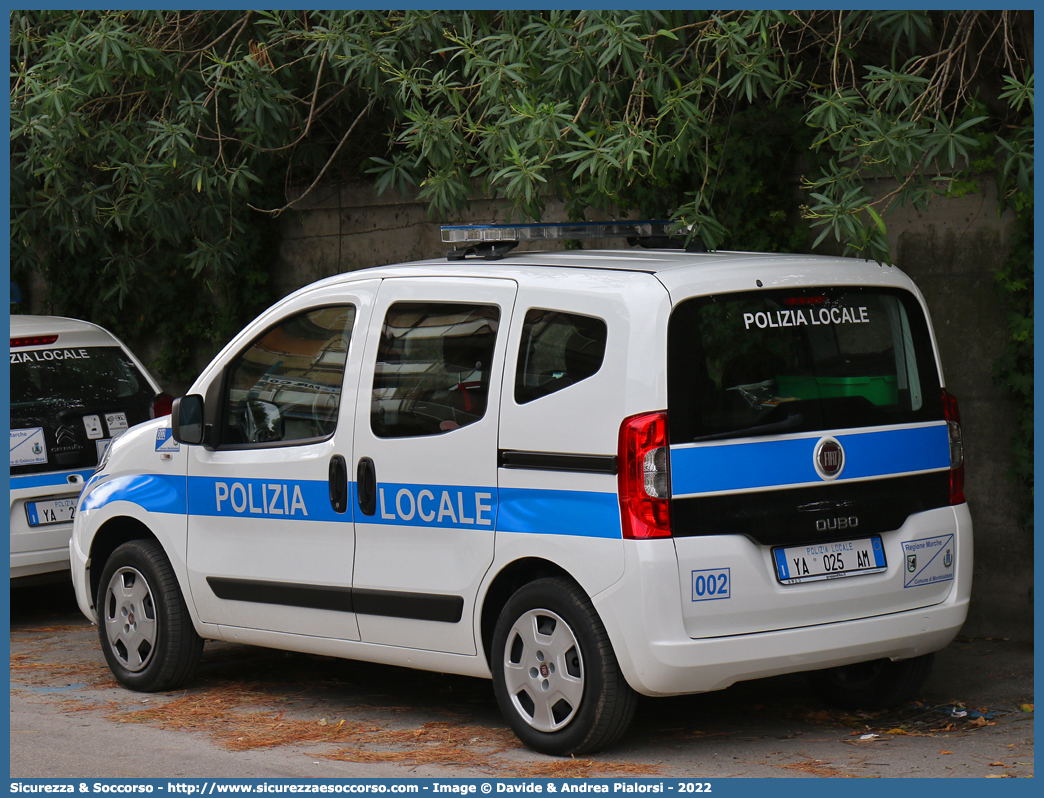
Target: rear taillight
pixel 160 405
pixel 36 340
pixel 953 424
pixel 644 477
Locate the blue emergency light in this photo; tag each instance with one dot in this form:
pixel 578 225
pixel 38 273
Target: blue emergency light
pixel 494 241
pixel 558 231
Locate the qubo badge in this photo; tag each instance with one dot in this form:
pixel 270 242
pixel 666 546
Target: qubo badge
pixel 165 440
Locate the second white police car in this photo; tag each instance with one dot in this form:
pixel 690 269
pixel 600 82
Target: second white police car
pixel 585 474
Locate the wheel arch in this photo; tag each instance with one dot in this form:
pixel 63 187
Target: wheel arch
pixel 110 536
pixel 513 576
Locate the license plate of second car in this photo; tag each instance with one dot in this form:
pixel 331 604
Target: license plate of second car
pixel 58 511
pixel 816 561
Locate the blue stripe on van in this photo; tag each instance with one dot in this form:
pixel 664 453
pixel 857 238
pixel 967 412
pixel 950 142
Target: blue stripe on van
pixel 545 512
pixel 559 512
pixel 155 493
pixel 56 480
pixel 722 468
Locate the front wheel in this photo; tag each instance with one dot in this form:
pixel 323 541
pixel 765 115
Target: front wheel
pixel 880 684
pixel 143 623
pixel 555 675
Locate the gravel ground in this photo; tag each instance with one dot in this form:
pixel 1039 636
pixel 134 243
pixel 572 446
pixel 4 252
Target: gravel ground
pixel 253 712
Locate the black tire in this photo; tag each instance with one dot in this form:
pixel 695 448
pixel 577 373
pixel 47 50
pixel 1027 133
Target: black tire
pixel 143 623
pixel 879 684
pixel 555 675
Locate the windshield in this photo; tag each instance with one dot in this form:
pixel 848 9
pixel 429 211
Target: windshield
pixel 66 403
pixel 784 361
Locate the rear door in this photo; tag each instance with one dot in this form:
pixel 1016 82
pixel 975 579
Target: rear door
pixel 426 458
pixel 809 457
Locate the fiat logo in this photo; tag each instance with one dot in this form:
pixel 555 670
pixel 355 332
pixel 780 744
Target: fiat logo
pixel 828 458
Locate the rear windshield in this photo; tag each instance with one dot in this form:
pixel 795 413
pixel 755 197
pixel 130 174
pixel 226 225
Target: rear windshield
pixel 781 361
pixel 64 401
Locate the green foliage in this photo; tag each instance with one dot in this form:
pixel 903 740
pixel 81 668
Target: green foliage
pixel 151 149
pixel 1014 369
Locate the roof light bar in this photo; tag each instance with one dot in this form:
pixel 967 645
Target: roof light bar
pixel 483 233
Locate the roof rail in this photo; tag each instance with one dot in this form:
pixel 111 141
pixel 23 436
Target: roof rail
pixel 494 241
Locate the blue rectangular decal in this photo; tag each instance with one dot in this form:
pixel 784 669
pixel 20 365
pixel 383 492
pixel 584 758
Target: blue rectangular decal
pixel 712 584
pixel 781 563
pixel 165 440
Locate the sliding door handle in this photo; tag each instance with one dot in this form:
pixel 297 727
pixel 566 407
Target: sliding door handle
pixel 338 483
pixel 366 481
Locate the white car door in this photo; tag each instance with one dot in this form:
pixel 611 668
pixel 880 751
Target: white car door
pixel 271 538
pixel 426 458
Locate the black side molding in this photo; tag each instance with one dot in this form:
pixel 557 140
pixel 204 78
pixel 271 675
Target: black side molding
pixel 416 606
pixel 557 461
pixel 387 603
pixel 287 594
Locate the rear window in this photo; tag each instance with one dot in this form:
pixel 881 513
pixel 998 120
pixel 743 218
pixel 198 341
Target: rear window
pixel 64 402
pixel 782 361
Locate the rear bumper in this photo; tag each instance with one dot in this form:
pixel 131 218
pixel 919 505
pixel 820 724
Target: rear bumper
pixel 643 618
pixel 41 549
pixel 33 563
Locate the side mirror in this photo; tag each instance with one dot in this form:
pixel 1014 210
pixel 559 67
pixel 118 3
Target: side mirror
pixel 186 419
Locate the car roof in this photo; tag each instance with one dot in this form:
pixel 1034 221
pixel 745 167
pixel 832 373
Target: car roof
pixel 650 261
pixel 70 332
pixel 681 272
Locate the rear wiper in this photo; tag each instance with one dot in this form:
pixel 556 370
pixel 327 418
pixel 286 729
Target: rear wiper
pixel 776 426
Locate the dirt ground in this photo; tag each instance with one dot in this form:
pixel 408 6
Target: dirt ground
pixel 253 712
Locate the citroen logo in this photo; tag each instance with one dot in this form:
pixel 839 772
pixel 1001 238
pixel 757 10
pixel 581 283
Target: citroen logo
pixel 65 436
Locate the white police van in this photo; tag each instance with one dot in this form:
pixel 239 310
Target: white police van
pixel 74 387
pixel 585 474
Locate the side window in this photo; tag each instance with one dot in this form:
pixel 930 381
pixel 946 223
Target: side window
pixel 558 350
pixel 433 364
pixel 286 386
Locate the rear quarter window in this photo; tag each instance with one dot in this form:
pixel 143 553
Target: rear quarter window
pixel 557 350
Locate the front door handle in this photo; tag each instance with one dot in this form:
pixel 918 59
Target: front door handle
pixel 366 481
pixel 338 483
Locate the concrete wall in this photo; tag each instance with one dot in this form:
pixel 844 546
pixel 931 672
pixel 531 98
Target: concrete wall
pixel 951 250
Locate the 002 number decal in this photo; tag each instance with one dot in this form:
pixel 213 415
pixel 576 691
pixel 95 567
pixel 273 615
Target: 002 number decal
pixel 711 584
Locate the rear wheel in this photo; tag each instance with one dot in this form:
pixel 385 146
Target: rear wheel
pixel 143 622
pixel 880 684
pixel 555 675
